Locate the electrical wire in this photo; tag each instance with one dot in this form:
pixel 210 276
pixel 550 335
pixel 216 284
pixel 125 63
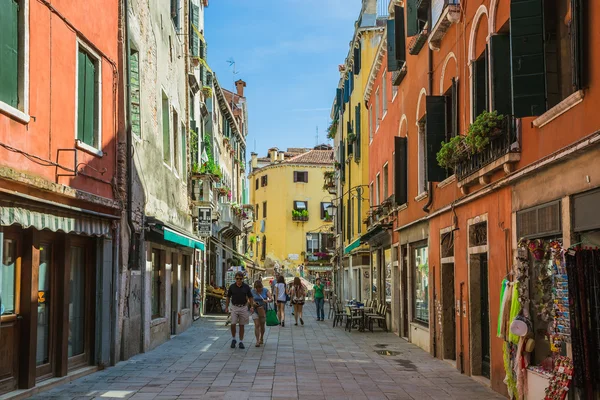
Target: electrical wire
pixel 38 160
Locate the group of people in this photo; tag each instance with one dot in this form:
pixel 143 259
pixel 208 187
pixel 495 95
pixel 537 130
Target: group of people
pixel 243 302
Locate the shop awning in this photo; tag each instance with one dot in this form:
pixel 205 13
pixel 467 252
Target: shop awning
pixel 320 268
pixel 181 239
pixel 54 221
pixel 352 246
pixel 371 233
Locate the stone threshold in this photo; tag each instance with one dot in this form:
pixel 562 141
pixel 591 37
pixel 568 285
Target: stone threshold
pixel 48 384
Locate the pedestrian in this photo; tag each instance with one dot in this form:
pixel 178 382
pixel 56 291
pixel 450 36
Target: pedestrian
pixel 261 296
pixel 281 293
pixel 319 299
pixel 298 294
pixel 240 296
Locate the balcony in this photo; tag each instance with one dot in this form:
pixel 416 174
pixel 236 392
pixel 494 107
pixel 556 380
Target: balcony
pixel 418 41
pixel 230 223
pixel 329 178
pixel 398 76
pixel 500 154
pixel 444 13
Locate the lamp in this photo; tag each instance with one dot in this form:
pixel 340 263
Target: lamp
pixel 331 210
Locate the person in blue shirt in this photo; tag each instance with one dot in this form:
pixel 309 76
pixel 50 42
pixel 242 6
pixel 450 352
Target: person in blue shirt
pixel 261 296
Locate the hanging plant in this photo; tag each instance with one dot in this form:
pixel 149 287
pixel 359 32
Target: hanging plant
pixel 487 125
pixel 351 137
pixel 332 130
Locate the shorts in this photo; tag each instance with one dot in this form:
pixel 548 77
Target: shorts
pixel 239 315
pixel 298 302
pixel 281 301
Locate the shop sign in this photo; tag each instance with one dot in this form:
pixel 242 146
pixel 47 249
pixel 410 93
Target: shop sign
pixel 293 257
pixel 204 221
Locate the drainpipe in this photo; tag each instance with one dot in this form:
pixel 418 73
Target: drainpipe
pixel 427 206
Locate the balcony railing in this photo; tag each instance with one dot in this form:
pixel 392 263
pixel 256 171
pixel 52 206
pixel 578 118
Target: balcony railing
pixel 418 41
pixel 502 152
pixel 229 216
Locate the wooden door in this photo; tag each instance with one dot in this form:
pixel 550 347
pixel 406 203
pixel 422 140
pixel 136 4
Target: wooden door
pixel 10 275
pixel 485 319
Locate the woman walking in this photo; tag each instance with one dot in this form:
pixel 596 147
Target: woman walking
pixel 298 293
pixel 281 296
pixel 319 299
pixel 262 296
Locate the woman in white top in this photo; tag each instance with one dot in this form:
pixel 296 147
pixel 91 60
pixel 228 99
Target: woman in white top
pixel 281 296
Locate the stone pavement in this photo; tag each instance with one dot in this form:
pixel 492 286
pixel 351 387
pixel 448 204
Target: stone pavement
pixel 314 361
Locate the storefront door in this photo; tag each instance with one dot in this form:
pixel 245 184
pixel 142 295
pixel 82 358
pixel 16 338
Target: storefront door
pixel 9 312
pixel 45 356
pixel 485 318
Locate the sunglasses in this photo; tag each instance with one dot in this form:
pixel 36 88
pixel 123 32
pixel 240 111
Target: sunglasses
pixel 239 279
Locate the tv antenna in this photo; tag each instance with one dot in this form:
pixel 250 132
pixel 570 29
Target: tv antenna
pixel 231 62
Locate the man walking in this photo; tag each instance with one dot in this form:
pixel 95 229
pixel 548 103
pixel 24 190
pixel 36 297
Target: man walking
pixel 240 295
pixel 319 299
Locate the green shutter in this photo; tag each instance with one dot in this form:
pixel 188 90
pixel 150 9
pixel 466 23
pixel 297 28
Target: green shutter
pixel 350 83
pixel 346 91
pixel 528 67
pixel 183 153
pixel 86 99
pixel 357 141
pixel 454 94
pixel 400 36
pixel 391 46
pixel 134 85
pixel 357 59
pixel 577 43
pixel 194 22
pixel 166 132
pixel 436 133
pixel 501 81
pixel 400 170
pixel 479 86
pixel 412 19
pixel 9 52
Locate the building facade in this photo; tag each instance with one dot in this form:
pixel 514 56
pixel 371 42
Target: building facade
pixel 455 225
pixel 59 204
pixel 293 230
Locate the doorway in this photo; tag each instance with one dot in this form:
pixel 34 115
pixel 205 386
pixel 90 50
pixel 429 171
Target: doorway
pixel 448 313
pixel 485 317
pixel 44 356
pixel 10 274
pixel 479 320
pixel 174 282
pixel 404 292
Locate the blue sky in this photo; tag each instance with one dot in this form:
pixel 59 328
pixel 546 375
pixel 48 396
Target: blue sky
pixel 288 52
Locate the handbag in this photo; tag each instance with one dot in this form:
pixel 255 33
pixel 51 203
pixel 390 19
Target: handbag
pixel 272 319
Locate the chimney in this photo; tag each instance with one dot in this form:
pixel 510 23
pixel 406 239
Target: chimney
pixel 281 156
pixel 273 155
pixel 240 85
pixel 370 6
pixel 254 161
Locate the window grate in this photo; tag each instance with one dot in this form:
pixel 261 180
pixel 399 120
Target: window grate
pixel 543 220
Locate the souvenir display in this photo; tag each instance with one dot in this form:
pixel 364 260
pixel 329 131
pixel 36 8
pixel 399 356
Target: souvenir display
pixel 561 326
pixel 560 380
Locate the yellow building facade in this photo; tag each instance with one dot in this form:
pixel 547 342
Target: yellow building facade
pixel 352 152
pixel 292 230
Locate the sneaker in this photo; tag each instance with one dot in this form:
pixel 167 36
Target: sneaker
pixel 241 345
pixel 233 342
pixel 296 324
pixel 301 321
pixel 282 324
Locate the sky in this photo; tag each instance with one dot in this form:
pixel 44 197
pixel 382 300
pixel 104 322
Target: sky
pixel 288 52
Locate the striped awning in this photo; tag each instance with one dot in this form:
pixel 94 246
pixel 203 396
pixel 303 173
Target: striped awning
pixel 54 221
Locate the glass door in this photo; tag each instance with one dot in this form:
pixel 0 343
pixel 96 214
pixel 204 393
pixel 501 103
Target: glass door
pixel 43 355
pixel 9 308
pixel 76 347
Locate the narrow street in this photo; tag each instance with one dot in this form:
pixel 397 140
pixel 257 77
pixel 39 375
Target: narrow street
pixel 315 361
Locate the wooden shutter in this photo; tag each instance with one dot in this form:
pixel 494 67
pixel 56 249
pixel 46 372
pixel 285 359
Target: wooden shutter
pixel 401 170
pixel 435 135
pixel 175 13
pixel 501 75
pixel 578 35
pixel 479 86
pixel 134 84
pixel 306 176
pixel 391 46
pixel 346 90
pixel 295 176
pixel 527 53
pixel 357 59
pixel 455 102
pixel 350 83
pixel 195 21
pixel 256 188
pixel 400 35
pixel 339 100
pixel 183 153
pixel 9 53
pixel 358 129
pixel 412 19
pixel 342 161
pixel 86 99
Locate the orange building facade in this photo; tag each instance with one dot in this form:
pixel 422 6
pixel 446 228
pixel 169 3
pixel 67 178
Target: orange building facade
pixel 59 96
pixel 444 238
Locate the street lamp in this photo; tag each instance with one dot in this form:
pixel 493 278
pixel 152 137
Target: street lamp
pixel 331 210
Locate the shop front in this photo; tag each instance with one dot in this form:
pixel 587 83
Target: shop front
pixel 55 291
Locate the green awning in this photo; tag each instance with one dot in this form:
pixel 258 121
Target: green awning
pixel 370 234
pixel 352 246
pixel 181 239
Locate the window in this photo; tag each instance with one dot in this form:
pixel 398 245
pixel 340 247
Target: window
pixel 301 176
pixel 324 210
pixel 88 97
pixel 156 282
pixel 175 14
pixel 264 209
pixel 264 180
pixel 183 153
pixel 480 86
pixel 134 88
pixel 256 213
pixel 384 98
pixel 371 198
pixel 14 78
pixel 378 190
pixel 7 276
pixel 312 242
pixel 377 110
pixel 176 161
pixel 185 282
pixel 359 211
pixel 263 254
pixel 348 219
pixel 166 130
pixel 300 205
pixel 420 285
pixel 385 181
pixel 370 123
pixel 422 161
pixel 256 184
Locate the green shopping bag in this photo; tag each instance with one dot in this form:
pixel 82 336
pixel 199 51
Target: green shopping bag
pixel 272 319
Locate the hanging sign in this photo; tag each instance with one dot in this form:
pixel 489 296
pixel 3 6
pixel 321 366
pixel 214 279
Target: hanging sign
pixel 204 221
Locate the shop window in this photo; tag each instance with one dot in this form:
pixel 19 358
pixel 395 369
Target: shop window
pixel 7 284
pixel 42 354
pixel 77 295
pixel 547 53
pixel 420 285
pixel 185 282
pixel 89 75
pixel 387 255
pixel 156 284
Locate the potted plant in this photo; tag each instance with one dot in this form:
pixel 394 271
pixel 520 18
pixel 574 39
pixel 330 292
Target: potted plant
pixel 304 215
pixel 337 165
pixel 452 152
pixel 351 137
pixel 252 239
pixel 486 126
